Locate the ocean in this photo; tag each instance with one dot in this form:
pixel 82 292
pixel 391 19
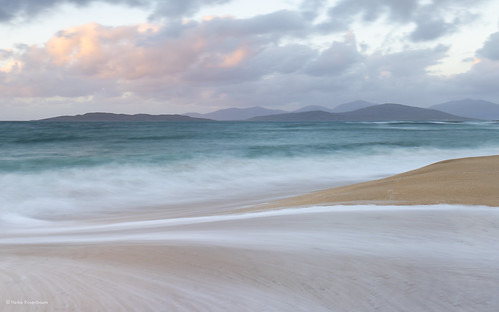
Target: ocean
pixel 51 170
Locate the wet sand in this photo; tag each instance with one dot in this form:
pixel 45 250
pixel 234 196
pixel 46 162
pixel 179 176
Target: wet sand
pixel 322 257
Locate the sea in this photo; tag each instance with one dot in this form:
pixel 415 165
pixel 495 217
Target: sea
pixel 71 170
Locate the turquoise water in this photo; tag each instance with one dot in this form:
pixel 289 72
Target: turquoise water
pixel 49 169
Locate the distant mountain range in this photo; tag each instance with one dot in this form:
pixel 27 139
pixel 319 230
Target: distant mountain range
pixel 312 108
pixel 123 117
pixel 466 109
pixel 237 113
pixel 351 106
pixel 257 111
pixel 476 109
pixel 383 112
pixel 352 111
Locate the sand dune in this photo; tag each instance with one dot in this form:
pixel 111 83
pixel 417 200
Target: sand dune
pixel 468 181
pixel 355 257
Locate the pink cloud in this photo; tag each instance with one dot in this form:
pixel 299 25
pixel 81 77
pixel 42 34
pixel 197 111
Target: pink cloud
pixel 103 52
pixel 126 56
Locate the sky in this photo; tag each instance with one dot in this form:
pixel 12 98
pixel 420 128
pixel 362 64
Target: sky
pixel 66 57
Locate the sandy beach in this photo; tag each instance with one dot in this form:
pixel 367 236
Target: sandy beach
pixel 424 240
pixel 466 181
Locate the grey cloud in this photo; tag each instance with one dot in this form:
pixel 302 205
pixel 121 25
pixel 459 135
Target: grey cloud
pixel 398 77
pixel 265 61
pixel 267 27
pixel 5 54
pixel 405 64
pixel 288 59
pixel 429 19
pixel 345 11
pixel 179 8
pixel 490 49
pixel 278 76
pixel 479 82
pixel 430 29
pixel 337 58
pixel 25 9
pixel 310 8
pixel 258 37
pixel 278 23
pixel 51 83
pixel 371 10
pixel 431 23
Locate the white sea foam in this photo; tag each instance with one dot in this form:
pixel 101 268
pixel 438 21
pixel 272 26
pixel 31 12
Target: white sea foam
pixel 102 189
pixel 358 258
pixel 330 228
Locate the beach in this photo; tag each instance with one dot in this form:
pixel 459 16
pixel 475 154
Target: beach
pixel 424 240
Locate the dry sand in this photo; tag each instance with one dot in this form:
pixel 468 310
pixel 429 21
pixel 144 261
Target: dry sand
pixel 467 181
pixel 318 258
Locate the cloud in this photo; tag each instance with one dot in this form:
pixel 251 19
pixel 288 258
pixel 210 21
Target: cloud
pixel 490 49
pixel 260 61
pixel 372 10
pixel 405 64
pixel 430 29
pixel 25 9
pixel 481 80
pixel 176 8
pixel 279 23
pixel 78 61
pixel 310 9
pixel 149 59
pixel 345 12
pixel 340 56
pixel 431 19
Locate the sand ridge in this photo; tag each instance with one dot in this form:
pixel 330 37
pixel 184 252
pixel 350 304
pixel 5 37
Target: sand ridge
pixel 467 181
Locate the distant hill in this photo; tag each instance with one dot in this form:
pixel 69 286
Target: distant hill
pixel 398 112
pixel 342 108
pixel 123 117
pixel 311 108
pixel 237 113
pixel 351 106
pixel 383 112
pixel 257 111
pixel 477 109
